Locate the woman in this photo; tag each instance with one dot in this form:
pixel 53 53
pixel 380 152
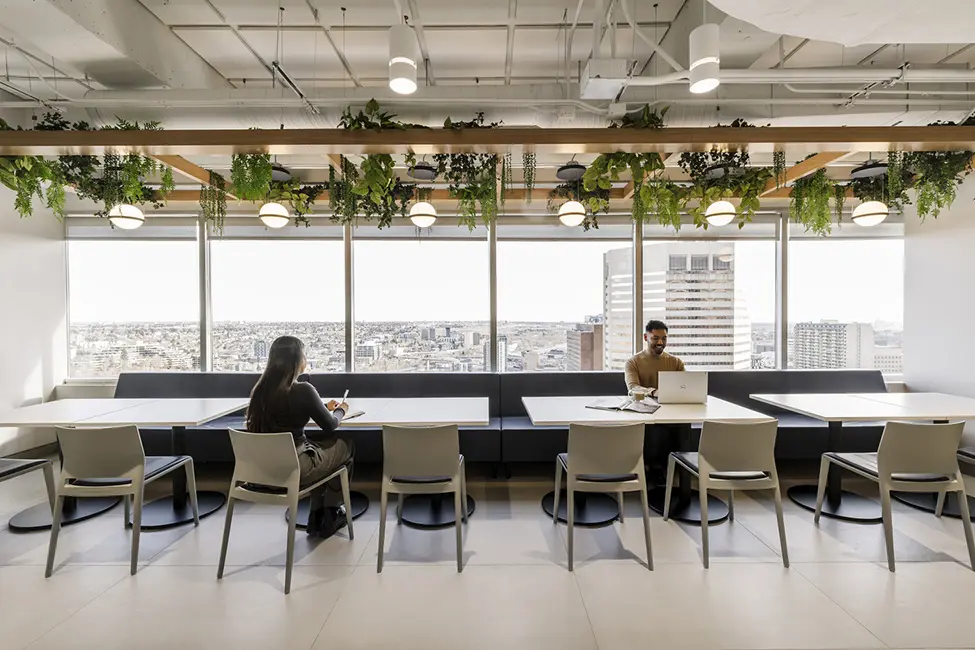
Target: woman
pixel 279 402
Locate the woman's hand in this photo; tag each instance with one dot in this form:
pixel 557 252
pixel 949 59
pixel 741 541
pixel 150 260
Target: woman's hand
pixel 331 405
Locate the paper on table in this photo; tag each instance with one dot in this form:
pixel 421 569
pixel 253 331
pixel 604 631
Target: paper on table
pixel 352 414
pixel 623 404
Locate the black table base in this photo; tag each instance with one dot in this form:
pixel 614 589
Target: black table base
pixel 360 503
pixel 591 508
pixel 928 502
pixel 165 513
pixel 74 510
pixel 849 507
pixel 686 507
pixel 431 510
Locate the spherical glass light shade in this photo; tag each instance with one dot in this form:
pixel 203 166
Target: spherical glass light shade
pixel 720 213
pixel 274 215
pixel 870 213
pixel 126 217
pixel 423 215
pixel 572 213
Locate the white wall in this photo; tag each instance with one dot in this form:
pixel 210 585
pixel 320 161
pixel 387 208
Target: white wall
pixel 33 315
pixel 939 300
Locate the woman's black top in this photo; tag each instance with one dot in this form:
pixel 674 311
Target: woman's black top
pixel 303 403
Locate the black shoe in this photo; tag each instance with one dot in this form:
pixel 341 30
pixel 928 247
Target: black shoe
pixel 331 521
pixel 315 518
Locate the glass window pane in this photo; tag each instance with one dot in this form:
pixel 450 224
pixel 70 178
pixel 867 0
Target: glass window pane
pixel 261 290
pixel 564 305
pixel 133 305
pixel 721 318
pixel 421 306
pixel 846 304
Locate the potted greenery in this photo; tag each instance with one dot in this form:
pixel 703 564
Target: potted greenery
pixel 595 201
pixel 809 203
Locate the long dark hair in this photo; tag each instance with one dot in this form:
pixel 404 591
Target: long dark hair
pixel 284 362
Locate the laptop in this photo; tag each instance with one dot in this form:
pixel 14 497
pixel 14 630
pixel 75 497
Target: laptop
pixel 682 387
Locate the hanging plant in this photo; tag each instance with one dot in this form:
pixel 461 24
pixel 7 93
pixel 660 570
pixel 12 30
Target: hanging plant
pixel 528 164
pixel 937 175
pixel 300 197
pixel 341 199
pixel 809 204
pixel 889 188
pixel 839 200
pixel 664 200
pixel 778 168
pixel 595 201
pixel 371 117
pixel 473 181
pixel 250 175
pixel 506 182
pixel 213 202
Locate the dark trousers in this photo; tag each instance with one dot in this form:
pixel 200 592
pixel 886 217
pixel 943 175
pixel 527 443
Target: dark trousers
pixel 660 440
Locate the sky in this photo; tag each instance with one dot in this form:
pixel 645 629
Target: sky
pixel 120 281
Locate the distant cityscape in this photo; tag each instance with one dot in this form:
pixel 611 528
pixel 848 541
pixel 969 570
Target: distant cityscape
pixel 689 285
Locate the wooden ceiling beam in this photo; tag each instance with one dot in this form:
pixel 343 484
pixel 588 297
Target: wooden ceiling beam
pixel 805 167
pixel 560 142
pixel 439 195
pixel 188 169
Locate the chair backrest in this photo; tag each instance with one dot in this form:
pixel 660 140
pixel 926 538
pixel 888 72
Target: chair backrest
pixel 616 449
pixel 727 447
pixel 265 459
pixel 420 451
pixel 104 452
pixel 918 448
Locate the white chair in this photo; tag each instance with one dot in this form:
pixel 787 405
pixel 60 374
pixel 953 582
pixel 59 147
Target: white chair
pixel 14 467
pixel 90 456
pixel 422 460
pixel 607 459
pixel 266 471
pixel 731 457
pixel 912 457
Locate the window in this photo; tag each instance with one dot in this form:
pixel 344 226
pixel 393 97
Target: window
pixel 133 305
pixel 261 290
pixel 720 319
pixel 564 305
pixel 421 306
pixel 846 304
pixel 678 263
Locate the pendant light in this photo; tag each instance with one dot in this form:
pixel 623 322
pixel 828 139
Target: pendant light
pixel 423 215
pixel 126 217
pixel 572 213
pixel 870 213
pixel 274 215
pixel 705 50
pixel 720 213
pixel 402 59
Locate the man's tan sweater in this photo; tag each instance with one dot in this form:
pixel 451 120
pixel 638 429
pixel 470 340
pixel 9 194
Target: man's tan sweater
pixel 642 369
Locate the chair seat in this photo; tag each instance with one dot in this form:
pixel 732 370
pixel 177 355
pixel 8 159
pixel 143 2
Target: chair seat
pixel 597 478
pixel 867 463
pixel 967 454
pixel 11 466
pixel 425 480
pixel 691 461
pixel 155 465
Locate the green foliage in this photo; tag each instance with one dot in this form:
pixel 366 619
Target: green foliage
pixel 476 123
pixel 648 118
pixel 839 200
pixel 372 118
pixel 663 199
pixel 937 175
pixel 250 175
pixel 528 165
pixel 300 197
pixel 778 168
pixel 506 181
pixel 809 204
pixel 371 190
pixel 595 201
pixel 473 180
pixel 887 188
pixel 213 202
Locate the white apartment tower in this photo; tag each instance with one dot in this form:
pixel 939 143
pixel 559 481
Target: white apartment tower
pixel 829 344
pixel 691 287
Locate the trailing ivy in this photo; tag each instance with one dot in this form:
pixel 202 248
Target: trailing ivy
pixel 250 175
pixel 778 168
pixel 809 204
pixel 595 201
pixel 839 200
pixel 300 197
pixel 213 202
pixel 937 175
pixel 528 165
pixel 721 174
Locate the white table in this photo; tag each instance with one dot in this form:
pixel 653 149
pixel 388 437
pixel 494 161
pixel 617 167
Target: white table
pixel 175 413
pixel 837 408
pixel 564 410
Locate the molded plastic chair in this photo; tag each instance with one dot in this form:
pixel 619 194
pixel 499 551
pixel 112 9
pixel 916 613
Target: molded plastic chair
pixel 422 460
pixel 14 467
pixel 606 459
pixel 267 471
pixel 89 456
pixel 731 457
pixel 912 457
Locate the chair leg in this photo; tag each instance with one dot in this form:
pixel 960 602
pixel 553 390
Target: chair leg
pixel 705 549
pixel 399 509
pixel 619 497
pixel 645 505
pixel 383 498
pixel 571 518
pixel 558 491
pixel 292 522
pixel 781 520
pixel 966 522
pixel 55 529
pixel 226 536
pixel 459 528
pixel 463 490
pixel 136 527
pixel 347 500
pixel 191 486
pixel 939 508
pixel 52 491
pixel 888 525
pixel 671 468
pixel 127 510
pixel 821 488
pixel 731 505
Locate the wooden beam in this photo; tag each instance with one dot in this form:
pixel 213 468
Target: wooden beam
pixel 439 195
pixel 188 169
pixel 804 168
pixel 548 141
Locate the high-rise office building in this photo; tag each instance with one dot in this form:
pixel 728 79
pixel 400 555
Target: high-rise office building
pixel 502 353
pixel 530 361
pixel 260 350
pixel 691 287
pixel 889 360
pixel 829 344
pixel 584 347
pixel 428 334
pixel 368 352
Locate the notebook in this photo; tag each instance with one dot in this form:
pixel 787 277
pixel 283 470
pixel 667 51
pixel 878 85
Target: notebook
pixel 624 404
pixel 352 414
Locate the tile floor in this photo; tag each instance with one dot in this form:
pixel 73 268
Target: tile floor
pixel 514 593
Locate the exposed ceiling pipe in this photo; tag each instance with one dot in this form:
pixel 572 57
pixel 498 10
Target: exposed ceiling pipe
pixel 597 28
pixel 871 91
pixel 671 61
pixel 568 41
pixel 822 75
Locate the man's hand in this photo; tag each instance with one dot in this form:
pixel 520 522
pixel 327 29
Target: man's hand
pixel 344 406
pixel 332 404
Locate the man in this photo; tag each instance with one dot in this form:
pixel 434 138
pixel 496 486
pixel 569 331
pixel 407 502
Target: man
pixel 642 371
